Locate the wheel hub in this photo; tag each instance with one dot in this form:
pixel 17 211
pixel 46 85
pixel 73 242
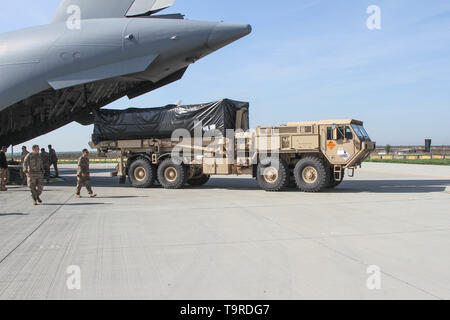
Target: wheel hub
pixel 310 175
pixel 140 174
pixel 270 174
pixel 171 174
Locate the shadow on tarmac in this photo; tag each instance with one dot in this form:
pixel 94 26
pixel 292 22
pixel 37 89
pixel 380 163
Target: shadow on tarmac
pixel 76 204
pixel 121 197
pixel 246 184
pixel 347 186
pixel 393 186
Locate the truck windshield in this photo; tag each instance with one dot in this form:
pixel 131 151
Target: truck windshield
pixel 360 132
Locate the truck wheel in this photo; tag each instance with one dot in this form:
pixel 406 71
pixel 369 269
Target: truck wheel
pixel 142 173
pixel 199 180
pixel 333 183
pixel 273 175
pixel 311 175
pixel 172 175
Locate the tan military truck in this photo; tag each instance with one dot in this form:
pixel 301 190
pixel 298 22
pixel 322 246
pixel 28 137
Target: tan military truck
pixel 313 156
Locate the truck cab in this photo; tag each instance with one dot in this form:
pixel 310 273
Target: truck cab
pixel 333 146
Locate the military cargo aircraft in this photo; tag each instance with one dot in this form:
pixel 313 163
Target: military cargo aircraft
pixel 92 53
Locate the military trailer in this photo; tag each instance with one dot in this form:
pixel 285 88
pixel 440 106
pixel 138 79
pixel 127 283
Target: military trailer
pixel 311 156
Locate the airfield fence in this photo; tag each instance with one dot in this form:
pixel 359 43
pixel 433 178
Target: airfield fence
pixel 409 157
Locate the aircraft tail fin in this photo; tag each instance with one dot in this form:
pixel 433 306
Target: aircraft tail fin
pixel 100 9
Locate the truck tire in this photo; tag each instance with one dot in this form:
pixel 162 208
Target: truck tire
pixel 311 175
pixel 199 180
pixel 272 175
pixel 172 175
pixel 142 173
pixel 333 183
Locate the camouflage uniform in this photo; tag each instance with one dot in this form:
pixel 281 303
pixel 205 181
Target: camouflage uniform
pixel 3 179
pixel 22 160
pixel 54 161
pixel 83 176
pixel 23 156
pixel 34 167
pixel 46 162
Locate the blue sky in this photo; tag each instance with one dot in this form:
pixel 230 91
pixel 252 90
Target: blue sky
pixel 307 60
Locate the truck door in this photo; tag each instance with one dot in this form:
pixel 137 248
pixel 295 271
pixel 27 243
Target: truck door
pixel 337 143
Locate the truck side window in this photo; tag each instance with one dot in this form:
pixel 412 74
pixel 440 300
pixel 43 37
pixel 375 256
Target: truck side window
pixel 348 133
pixel 329 133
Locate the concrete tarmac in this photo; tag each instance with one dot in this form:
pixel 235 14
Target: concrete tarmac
pixel 230 240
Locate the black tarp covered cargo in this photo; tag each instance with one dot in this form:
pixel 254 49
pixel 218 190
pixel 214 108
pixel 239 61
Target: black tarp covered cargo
pixel 161 122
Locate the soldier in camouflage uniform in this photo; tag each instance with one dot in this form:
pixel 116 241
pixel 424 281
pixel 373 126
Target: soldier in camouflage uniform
pixel 34 170
pixel 83 176
pixel 46 161
pixel 53 159
pixel 22 160
pixel 3 169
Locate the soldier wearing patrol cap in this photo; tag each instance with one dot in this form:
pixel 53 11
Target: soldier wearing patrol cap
pixel 83 175
pixel 53 159
pixel 33 167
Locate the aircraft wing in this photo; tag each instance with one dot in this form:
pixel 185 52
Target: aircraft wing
pixel 100 9
pixel 104 72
